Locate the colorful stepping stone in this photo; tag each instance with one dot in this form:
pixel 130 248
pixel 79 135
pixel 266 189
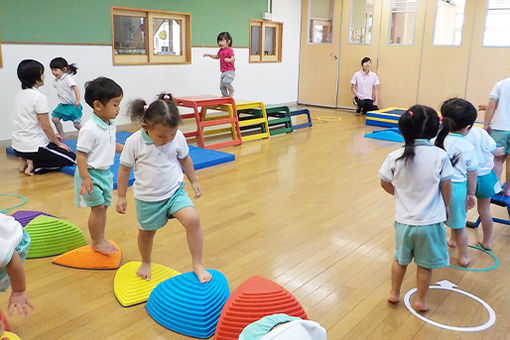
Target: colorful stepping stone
pixel 184 305
pixel 4 320
pixel 25 216
pixel 9 336
pixel 87 258
pixel 253 299
pixel 129 289
pixel 53 236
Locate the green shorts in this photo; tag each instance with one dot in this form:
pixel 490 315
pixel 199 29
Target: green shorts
pixel 155 215
pixel 502 138
pixel 425 243
pixel 485 185
pixel 457 207
pixel 22 250
pixel 68 112
pixel 102 191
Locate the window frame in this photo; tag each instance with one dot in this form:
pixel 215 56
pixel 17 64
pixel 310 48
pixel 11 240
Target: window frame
pixel 261 57
pixel 149 58
pixel 1 62
pixel 487 9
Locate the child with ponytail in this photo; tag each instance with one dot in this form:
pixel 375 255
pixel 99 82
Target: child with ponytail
pixel 419 177
pixel 159 153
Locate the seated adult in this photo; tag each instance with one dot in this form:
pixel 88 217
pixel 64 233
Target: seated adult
pixel 365 87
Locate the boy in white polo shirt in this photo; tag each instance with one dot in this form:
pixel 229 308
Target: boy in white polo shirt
pixel 96 147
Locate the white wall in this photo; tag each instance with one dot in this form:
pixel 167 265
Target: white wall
pixel 267 82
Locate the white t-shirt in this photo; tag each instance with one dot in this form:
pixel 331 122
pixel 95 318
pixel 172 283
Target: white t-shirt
pixel 28 135
pixel 11 233
pixel 458 146
pixel 501 93
pixel 484 146
pixel 63 85
pixel 97 140
pixel 418 199
pixel 297 330
pixel 158 171
pixel 365 82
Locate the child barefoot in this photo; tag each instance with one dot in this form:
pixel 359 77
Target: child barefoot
pixel 160 154
pixel 419 178
pixel 96 147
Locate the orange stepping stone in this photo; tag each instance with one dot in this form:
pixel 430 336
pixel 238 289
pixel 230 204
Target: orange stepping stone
pixel 253 299
pixel 87 258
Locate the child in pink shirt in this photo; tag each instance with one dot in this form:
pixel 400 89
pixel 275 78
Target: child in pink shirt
pixel 227 58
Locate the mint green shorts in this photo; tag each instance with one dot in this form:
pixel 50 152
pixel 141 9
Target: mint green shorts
pixel 425 243
pixel 22 250
pixel 155 215
pixel 101 192
pixel 502 138
pixel 485 185
pixel 261 327
pixel 457 207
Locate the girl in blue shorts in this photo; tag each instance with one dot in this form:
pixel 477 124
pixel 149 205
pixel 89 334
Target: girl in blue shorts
pixel 418 175
pixel 159 154
pixel 459 116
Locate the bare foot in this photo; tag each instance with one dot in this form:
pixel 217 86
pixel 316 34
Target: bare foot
pixel 144 272
pixel 451 243
pixel 29 170
pixel 2 327
pixel 104 247
pixel 487 246
pixel 22 164
pixel 394 298
pixel 464 261
pixel 421 306
pixel 202 274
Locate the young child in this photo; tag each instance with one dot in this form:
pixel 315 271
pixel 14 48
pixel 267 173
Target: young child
pixel 14 243
pixel 487 183
pixel 68 93
pixel 96 147
pixel 419 178
pixel 459 116
pixel 227 58
pixel 38 148
pixel 160 154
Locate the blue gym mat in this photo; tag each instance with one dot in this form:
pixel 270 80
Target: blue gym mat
pixel 202 158
pixel 391 134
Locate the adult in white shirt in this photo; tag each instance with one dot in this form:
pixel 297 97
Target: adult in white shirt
pixel 33 139
pixel 365 88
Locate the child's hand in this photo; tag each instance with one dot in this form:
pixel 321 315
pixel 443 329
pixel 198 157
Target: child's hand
pixel 19 301
pixel 86 186
pixel 197 189
pixel 499 152
pixel 482 107
pixel 470 201
pixel 121 205
pixel 76 103
pixel 206 55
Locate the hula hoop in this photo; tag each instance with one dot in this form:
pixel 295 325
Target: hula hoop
pixel 494 266
pixel 328 118
pixel 25 200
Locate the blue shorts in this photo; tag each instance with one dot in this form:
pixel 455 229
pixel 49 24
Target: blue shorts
pixel 457 207
pixel 68 112
pixel 485 185
pixel 101 192
pixel 155 215
pixel 425 243
pixel 22 250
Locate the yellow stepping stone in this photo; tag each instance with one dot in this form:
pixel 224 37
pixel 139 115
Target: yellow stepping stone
pixel 9 336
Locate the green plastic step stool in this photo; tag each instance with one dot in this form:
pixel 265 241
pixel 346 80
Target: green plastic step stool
pixel 278 118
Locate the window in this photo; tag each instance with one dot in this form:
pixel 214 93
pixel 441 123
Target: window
pixel 265 41
pixel 150 37
pixel 321 21
pixel 403 22
pixel 361 22
pixel 449 22
pixel 497 24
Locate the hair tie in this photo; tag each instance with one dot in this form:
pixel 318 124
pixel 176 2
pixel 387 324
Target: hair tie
pixel 145 108
pixel 411 113
pixel 440 118
pixel 166 97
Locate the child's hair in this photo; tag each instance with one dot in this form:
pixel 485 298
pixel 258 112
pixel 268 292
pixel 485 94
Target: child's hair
pixel 161 111
pixel 419 121
pixel 29 72
pixel 457 114
pixel 364 60
pixel 102 89
pixel 225 36
pixel 62 64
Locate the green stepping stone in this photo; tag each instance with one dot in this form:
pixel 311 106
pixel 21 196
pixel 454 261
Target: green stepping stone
pixel 53 236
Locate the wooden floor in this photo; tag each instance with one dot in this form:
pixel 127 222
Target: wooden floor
pixel 303 209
